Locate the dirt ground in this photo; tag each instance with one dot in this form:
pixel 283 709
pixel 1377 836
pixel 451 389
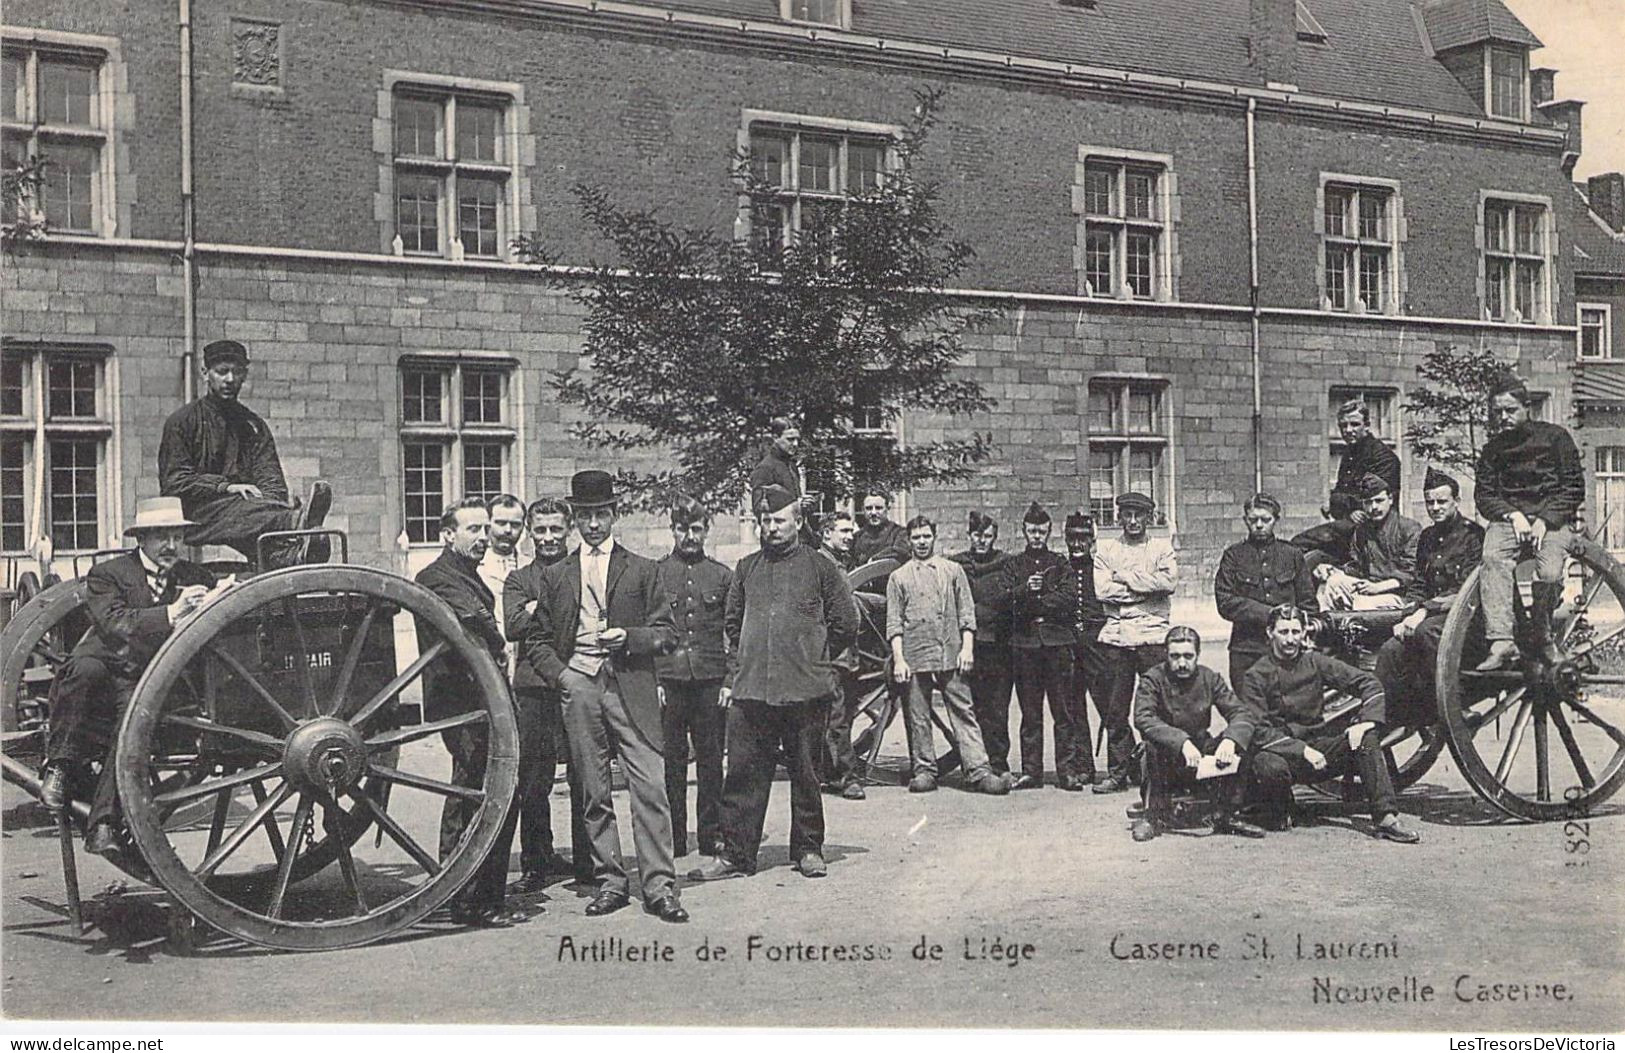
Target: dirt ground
pixel 949 909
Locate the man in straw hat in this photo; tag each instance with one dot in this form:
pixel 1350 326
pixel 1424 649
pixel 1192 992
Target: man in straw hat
pixel 134 601
pixel 601 620
pixel 219 458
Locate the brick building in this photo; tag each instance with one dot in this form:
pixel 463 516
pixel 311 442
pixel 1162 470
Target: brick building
pixel 1599 375
pixel 341 188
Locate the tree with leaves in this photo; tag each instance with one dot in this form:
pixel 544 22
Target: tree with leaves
pixel 20 185
pixel 1449 416
pixel 695 340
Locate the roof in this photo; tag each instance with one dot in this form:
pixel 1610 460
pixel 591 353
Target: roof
pixel 1374 51
pixel 1596 250
pixel 1600 383
pixel 1458 23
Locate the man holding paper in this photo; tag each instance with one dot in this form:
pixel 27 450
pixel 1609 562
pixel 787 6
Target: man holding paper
pixel 1173 710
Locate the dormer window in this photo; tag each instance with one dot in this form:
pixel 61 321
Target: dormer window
pixel 836 14
pixel 1508 83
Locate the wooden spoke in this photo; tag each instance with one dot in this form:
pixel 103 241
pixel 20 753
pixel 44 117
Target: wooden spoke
pixel 423 783
pixel 231 662
pixel 388 825
pixel 399 684
pixel 272 834
pixel 352 658
pixel 197 724
pixel 220 785
pixel 1588 594
pixel 1607 728
pixel 1493 675
pixel 1514 741
pixel 217 823
pixel 212 862
pixel 1598 641
pixel 1614 679
pixel 307 685
pixel 284 872
pixel 1474 721
pixel 400 736
pixel 1566 733
pixel 1543 770
pixel 333 817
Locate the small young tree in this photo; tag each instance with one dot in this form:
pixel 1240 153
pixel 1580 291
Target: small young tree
pixel 696 340
pixel 20 218
pixel 1449 415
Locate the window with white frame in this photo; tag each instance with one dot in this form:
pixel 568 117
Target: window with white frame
pixel 815 171
pixel 1596 331
pixel 1359 228
pixel 1382 414
pixel 453 171
pixel 1125 235
pixel 458 429
pixel 54 429
pixel 1128 444
pixel 1508 83
pixel 52 109
pixel 1610 492
pixel 836 14
pixel 1517 260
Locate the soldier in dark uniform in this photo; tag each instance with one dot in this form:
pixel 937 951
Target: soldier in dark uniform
pixel 1254 576
pixel 1040 592
pixel 1363 454
pixel 838 764
pixel 219 458
pixel 1089 656
pixel 691 677
pixel 878 537
pixel 778 465
pixel 990 678
pixel 1382 553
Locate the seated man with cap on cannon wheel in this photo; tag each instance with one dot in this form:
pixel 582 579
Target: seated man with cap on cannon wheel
pixel 1382 557
pixel 219 458
pixel 134 601
pixel 1363 454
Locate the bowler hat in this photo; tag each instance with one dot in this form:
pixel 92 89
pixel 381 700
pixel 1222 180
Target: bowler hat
pixel 156 513
pixel 591 489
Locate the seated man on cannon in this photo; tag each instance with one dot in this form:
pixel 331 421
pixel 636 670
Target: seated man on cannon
pixel 219 458
pixel 1288 690
pixel 1363 454
pixel 1173 710
pixel 134 601
pixel 1446 554
pixel 1382 557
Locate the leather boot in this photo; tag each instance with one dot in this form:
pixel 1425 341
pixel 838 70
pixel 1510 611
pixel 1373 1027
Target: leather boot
pixel 1546 595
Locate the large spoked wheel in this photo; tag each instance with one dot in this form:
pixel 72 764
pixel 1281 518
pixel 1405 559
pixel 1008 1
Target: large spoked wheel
pixel 1501 726
pixel 273 728
pixel 33 647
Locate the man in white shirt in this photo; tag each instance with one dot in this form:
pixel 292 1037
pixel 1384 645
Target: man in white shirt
pixel 1135 576
pixel 501 559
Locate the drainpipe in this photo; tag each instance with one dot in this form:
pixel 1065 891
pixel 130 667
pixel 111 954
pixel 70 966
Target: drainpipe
pixel 1252 273
pixel 188 213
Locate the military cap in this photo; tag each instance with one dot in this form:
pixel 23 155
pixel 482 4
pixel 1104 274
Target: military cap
pixel 979 521
pixel 1435 479
pixel 1373 484
pixel 224 351
pixel 773 498
pixel 1035 514
pixel 1080 522
pixel 1511 384
pixel 1135 499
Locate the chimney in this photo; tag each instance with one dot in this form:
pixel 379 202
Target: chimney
pixel 1565 114
pixel 1273 41
pixel 1607 195
pixel 1542 85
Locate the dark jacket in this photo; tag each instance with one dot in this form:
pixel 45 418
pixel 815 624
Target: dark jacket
pixel 633 601
pixel 1251 580
pixel 449 687
pixel 1445 555
pixel 775 467
pixel 1088 616
pixel 523 588
pixel 1042 619
pixel 209 444
pixel 1368 456
pixel 986 574
pixel 698 592
pixel 1380 551
pixel 788 611
pixel 890 541
pixel 128 623
pixel 1534 469
pixel 1169 712
pixel 1288 700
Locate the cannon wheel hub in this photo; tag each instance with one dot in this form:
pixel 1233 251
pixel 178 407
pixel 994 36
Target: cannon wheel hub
pixel 324 756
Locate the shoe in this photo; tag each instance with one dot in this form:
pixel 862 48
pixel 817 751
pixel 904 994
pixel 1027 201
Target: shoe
pixel 496 916
pixel 812 865
pixel 529 883
pixel 924 782
pixel 555 865
pixel 996 785
pixel 317 549
pixel 1143 829
pixel 1391 829
pixel 103 840
pixel 607 902
pixel 1028 782
pixel 1502 653
pixel 666 908
pixel 1111 784
pixel 53 786
pixel 711 848
pixel 719 869
pixel 1229 824
pixel 1069 782
pixel 853 791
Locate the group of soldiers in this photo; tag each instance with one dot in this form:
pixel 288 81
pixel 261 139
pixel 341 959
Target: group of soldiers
pixel 651 663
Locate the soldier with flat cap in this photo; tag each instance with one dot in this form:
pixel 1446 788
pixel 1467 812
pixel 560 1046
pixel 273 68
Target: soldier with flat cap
pixel 1256 575
pixel 1041 595
pixel 219 458
pixel 1446 553
pixel 1135 575
pixel 1382 556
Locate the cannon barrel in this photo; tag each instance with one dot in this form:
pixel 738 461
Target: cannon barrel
pixel 24 776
